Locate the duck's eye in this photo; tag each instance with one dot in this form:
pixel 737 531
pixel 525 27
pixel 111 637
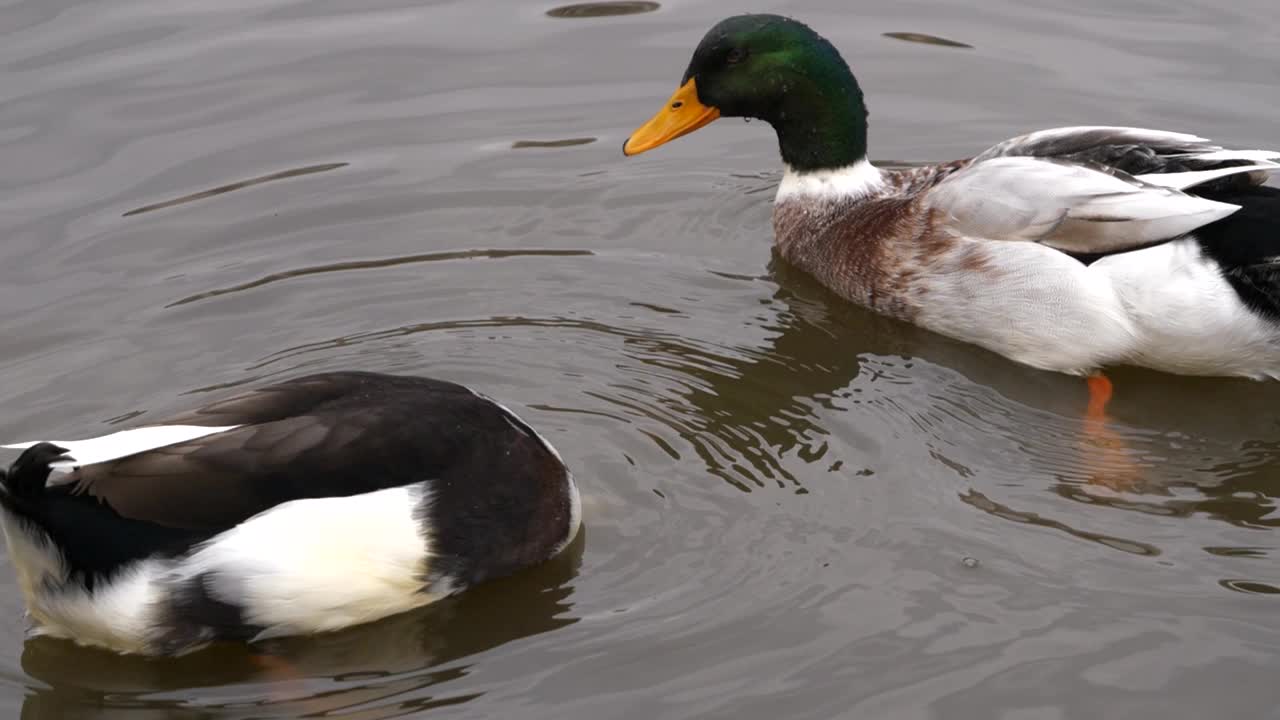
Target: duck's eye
pixel 735 56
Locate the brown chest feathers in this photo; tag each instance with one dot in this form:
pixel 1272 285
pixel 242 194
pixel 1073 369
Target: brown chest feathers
pixel 871 250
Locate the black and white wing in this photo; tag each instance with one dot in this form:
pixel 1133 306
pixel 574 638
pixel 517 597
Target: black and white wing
pixel 1097 190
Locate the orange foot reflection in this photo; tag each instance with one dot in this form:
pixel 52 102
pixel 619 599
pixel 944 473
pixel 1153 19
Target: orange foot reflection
pixel 286 681
pixel 1108 460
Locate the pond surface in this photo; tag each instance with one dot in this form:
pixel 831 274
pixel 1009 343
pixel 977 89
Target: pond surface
pixel 795 509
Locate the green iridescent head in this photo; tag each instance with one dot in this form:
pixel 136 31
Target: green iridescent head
pixel 777 70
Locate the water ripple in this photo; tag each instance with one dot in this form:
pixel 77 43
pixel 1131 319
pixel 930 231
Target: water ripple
pixel 240 185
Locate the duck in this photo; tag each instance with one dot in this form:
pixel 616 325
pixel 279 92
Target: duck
pixel 295 508
pixel 1069 249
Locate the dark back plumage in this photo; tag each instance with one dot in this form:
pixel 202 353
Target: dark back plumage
pixel 498 498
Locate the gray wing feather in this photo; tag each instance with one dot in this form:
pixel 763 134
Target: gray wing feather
pixel 1136 151
pixel 1068 206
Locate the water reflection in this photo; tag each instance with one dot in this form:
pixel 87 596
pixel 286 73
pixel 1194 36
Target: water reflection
pixel 758 407
pixel 985 504
pixel 926 39
pixel 390 668
pixel 603 9
pixel 567 142
pixel 806 370
pixel 1250 587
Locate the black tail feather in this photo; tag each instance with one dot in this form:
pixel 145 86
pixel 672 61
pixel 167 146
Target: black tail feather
pixel 28 474
pixel 94 540
pixel 1246 244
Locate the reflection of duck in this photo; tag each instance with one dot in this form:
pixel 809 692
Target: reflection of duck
pixel 306 506
pixel 1065 249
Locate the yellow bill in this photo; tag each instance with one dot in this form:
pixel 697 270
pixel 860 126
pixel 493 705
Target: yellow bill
pixel 682 115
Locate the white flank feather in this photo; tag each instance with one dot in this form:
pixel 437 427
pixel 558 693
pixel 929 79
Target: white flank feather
pixel 1186 316
pixel 123 443
pixel 322 564
pixel 1166 307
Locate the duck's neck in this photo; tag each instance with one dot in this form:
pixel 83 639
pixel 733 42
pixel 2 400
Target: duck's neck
pixel 821 120
pixel 821 124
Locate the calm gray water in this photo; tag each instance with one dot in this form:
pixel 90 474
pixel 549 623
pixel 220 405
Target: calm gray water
pixel 795 509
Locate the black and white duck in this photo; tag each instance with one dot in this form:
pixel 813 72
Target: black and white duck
pixel 301 507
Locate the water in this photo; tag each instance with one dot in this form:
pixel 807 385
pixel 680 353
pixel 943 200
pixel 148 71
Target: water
pixel 795 509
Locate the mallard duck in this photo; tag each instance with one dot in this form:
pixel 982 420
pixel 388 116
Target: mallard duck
pixel 301 507
pixel 1067 249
